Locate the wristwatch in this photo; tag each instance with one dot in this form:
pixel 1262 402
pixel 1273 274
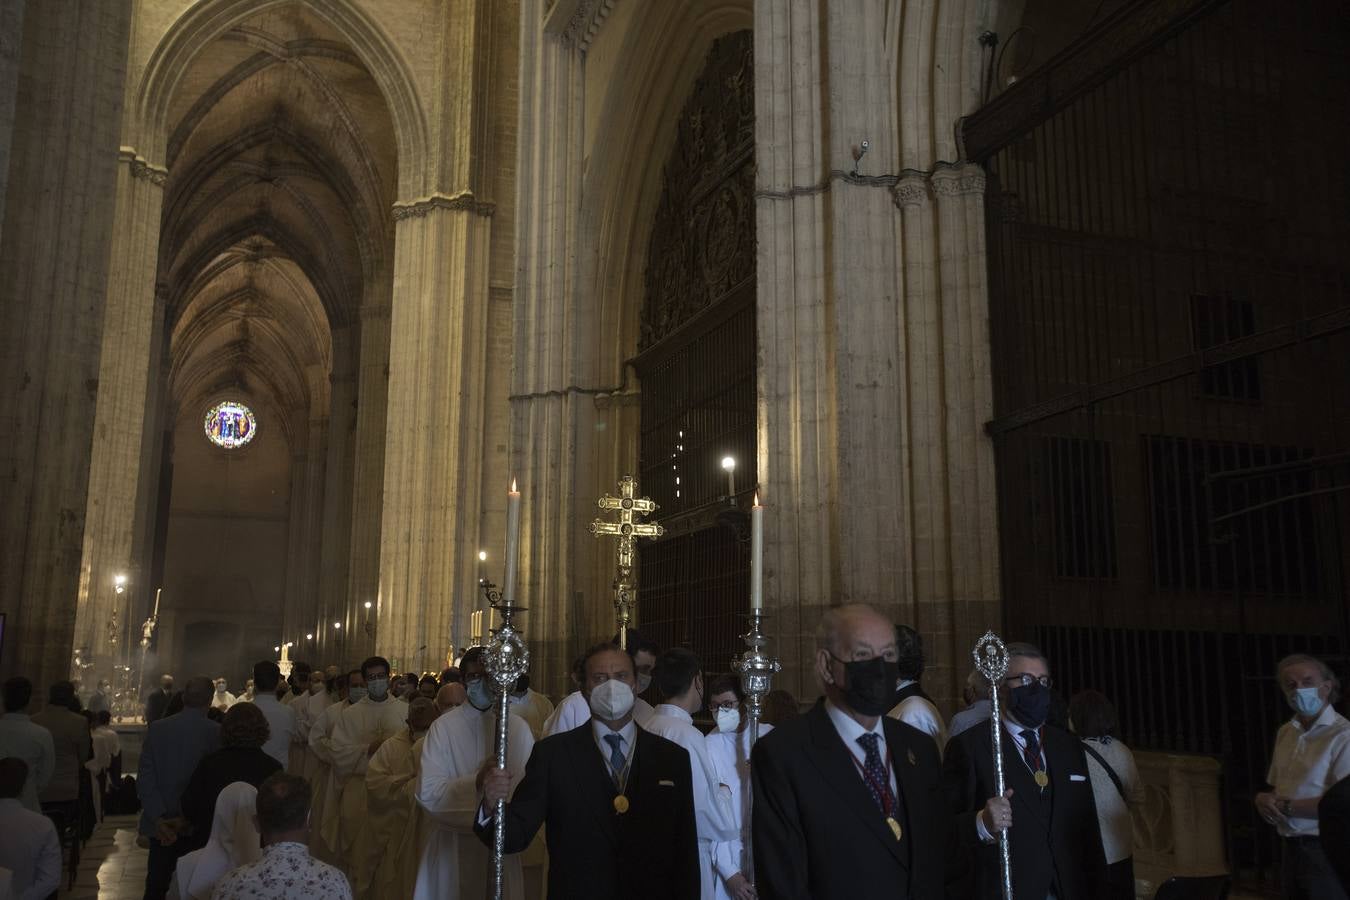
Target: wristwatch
pixel 1285 806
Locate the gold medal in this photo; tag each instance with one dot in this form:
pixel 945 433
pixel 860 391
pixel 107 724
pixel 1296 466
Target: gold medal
pixel 621 804
pixel 913 761
pixel 895 827
pixel 1042 779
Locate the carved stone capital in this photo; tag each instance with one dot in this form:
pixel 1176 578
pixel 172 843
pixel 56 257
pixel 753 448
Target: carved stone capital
pixel 911 190
pixel 142 167
pixel 958 181
pixel 464 200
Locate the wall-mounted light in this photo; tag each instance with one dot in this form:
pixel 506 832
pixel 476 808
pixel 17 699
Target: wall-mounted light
pixel 368 604
pixel 120 583
pixel 729 464
pixel 309 637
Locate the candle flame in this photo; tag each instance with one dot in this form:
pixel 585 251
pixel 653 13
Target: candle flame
pixel 757 498
pixel 513 486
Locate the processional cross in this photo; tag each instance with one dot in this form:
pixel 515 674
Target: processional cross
pixel 628 529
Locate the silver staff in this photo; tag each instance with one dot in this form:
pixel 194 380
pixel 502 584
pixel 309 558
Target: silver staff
pixel 756 670
pixel 991 661
pixel 507 659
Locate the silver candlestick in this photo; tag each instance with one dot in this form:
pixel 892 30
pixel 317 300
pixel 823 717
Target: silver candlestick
pixel 507 659
pixel 991 661
pixel 756 669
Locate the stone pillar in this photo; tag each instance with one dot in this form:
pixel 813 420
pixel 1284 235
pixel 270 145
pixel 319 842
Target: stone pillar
pixel 363 580
pixel 874 375
pixel 335 539
pixel 57 229
pixel 433 449
pixel 544 414
pixel 11 42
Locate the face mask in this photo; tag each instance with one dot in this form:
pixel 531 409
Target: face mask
pixel 220 689
pixel 728 720
pixel 643 682
pixel 1306 701
pixel 377 688
pixel 869 685
pixel 356 694
pixel 611 700
pixel 480 695
pixel 1030 704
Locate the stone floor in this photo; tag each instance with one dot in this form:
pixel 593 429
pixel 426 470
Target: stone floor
pixel 112 867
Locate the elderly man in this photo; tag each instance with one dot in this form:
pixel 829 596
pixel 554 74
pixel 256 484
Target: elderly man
pixel 618 800
pixel 449 696
pixel 174 745
pixel 1312 753
pixel 1048 810
pixel 396 827
pixel 844 797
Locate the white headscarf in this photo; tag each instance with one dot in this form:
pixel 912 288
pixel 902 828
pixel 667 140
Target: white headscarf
pixel 234 842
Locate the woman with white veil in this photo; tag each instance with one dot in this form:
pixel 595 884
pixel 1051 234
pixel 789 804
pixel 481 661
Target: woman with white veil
pixel 233 843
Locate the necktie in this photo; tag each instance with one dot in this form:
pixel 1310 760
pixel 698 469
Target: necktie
pixel 1032 751
pixel 878 781
pixel 616 757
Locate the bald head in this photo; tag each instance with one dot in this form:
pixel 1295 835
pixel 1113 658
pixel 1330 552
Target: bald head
pixel 844 626
pixel 421 713
pixel 450 696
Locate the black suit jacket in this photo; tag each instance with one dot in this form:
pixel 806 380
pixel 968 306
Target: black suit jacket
pixel 217 771
pixel 817 831
pixel 1334 826
pixel 1058 843
pixel 594 853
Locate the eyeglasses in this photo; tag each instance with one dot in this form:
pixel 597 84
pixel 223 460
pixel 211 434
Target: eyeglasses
pixel 1026 679
pixel 731 704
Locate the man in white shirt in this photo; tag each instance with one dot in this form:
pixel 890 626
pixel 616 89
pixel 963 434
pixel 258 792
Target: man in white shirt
pixel 286 870
pixel 457 747
pixel 912 705
pixel 21 738
pixel 280 719
pixel 679 680
pixel 223 699
pixel 30 849
pixel 1312 753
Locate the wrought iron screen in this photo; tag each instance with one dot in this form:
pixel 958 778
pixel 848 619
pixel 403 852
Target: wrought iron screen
pixel 1169 307
pixel 697 366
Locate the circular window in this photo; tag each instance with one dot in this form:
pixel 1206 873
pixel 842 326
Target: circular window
pixel 230 425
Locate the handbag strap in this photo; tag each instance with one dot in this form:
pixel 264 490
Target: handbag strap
pixel 1115 779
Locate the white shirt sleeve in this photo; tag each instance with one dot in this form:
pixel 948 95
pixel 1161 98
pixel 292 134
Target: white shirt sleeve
pixel 46 868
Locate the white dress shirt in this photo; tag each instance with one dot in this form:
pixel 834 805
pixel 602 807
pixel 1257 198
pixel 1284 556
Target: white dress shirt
pixel 923 715
pixel 972 715
pixel 30 850
pixel 850 730
pixel 280 724
pixel 628 744
pixel 575 709
pixel 1306 763
pixel 33 744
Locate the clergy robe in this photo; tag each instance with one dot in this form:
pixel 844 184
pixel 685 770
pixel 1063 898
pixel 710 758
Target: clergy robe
pixel 729 754
pixel 359 724
pixel 305 714
pixel 714 819
pixel 223 700
pixel 325 789
pixel 391 792
pixel 455 864
pixel 574 710
pixel 535 709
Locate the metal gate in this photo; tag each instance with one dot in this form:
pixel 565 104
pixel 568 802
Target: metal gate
pixel 1167 211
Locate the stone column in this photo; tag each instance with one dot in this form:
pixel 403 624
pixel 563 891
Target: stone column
pixel 363 578
pixel 544 414
pixel 335 539
pixel 874 376
pixel 54 262
pixel 11 42
pixel 432 458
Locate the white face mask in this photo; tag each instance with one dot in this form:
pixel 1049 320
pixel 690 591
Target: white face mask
pixel 611 700
pixel 220 688
pixel 728 720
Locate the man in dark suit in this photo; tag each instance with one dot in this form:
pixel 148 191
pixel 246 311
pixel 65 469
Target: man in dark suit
pixel 1048 810
pixel 1333 825
pixel 158 699
pixel 847 801
pixel 618 800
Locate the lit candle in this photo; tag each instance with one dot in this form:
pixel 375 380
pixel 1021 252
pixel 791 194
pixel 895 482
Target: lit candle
pixel 756 555
pixel 155 615
pixel 512 544
pixel 729 464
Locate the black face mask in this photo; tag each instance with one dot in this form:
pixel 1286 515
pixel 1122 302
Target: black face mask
pixel 1030 704
pixel 869 685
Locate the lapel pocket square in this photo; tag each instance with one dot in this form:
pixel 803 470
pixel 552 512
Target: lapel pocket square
pixel 1078 778
pixel 665 783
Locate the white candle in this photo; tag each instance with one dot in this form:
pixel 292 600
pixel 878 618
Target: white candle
pixel 757 555
pixel 155 615
pixel 512 544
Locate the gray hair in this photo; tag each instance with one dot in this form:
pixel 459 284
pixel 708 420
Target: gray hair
pixel 1294 659
pixel 827 629
pixel 1029 651
pixel 978 684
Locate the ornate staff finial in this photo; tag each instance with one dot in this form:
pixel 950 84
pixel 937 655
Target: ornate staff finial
pixel 627 529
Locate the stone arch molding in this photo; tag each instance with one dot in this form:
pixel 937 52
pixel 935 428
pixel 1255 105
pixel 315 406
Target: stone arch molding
pixel 207 20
